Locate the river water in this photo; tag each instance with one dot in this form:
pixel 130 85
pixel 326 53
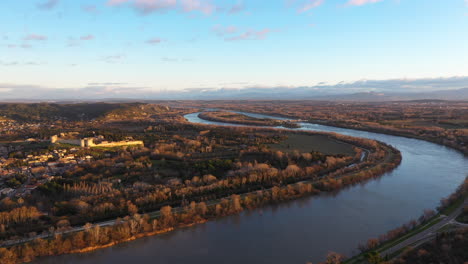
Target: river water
pixel 305 230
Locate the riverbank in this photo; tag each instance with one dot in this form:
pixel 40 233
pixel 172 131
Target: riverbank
pixel 394 246
pixel 428 223
pixel 240 119
pixel 361 126
pixel 301 187
pixel 364 210
pixel 312 167
pixel 416 232
pixel 407 134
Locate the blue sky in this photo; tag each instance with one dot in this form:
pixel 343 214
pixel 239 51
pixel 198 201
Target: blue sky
pixel 160 45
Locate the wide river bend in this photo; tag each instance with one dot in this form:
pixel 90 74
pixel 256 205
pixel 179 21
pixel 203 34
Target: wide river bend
pixel 306 229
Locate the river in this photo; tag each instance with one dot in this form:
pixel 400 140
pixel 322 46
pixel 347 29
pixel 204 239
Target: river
pixel 305 230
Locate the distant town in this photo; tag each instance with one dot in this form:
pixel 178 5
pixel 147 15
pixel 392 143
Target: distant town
pixel 38 169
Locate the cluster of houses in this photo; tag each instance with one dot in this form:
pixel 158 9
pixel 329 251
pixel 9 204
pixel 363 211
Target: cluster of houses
pixel 56 157
pixel 35 170
pixel 7 149
pixel 39 169
pixel 10 126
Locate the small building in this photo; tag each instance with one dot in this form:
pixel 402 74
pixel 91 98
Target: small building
pixel 6 191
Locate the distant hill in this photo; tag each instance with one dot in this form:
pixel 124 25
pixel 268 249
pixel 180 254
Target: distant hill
pixel 135 111
pixel 76 112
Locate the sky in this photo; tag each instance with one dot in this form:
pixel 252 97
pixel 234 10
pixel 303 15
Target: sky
pixel 150 46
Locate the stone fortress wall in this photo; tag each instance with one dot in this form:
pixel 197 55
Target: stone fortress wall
pixel 90 142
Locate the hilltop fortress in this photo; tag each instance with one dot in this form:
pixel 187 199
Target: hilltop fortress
pixel 90 142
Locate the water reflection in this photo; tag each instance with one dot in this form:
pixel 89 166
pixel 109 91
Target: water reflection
pixel 306 229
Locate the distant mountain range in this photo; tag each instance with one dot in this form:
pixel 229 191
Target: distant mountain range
pixel 443 88
pixel 299 93
pixel 312 94
pixel 459 95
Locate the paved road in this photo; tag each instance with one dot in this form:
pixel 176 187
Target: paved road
pixel 427 234
pixel 156 213
pixel 47 235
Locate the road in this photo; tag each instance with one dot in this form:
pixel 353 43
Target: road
pixel 427 234
pixel 155 214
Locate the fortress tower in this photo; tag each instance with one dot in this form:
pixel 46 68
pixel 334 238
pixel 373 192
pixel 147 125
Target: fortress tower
pixel 87 142
pixel 53 139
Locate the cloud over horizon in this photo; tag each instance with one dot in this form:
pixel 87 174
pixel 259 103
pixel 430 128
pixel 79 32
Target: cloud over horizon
pixel 109 90
pixel 175 44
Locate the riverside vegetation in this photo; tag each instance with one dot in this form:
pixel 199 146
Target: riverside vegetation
pixel 236 118
pixel 185 174
pixel 438 121
pixel 448 246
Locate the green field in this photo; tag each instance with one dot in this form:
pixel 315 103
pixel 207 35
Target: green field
pixel 310 143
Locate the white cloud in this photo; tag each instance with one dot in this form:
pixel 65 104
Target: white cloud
pixel 154 41
pixel 151 6
pixel 49 4
pixel 87 37
pixel 311 4
pixel 113 58
pixel 251 35
pixel 89 8
pixel 198 5
pixel 362 2
pixel 237 8
pixel 222 31
pixel 35 37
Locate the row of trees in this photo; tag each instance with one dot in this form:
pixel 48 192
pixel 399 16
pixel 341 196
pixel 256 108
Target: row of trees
pixel 439 122
pixel 373 243
pixel 88 201
pixel 137 225
pixel 447 247
pixel 234 118
pixel 24 214
pixel 101 189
